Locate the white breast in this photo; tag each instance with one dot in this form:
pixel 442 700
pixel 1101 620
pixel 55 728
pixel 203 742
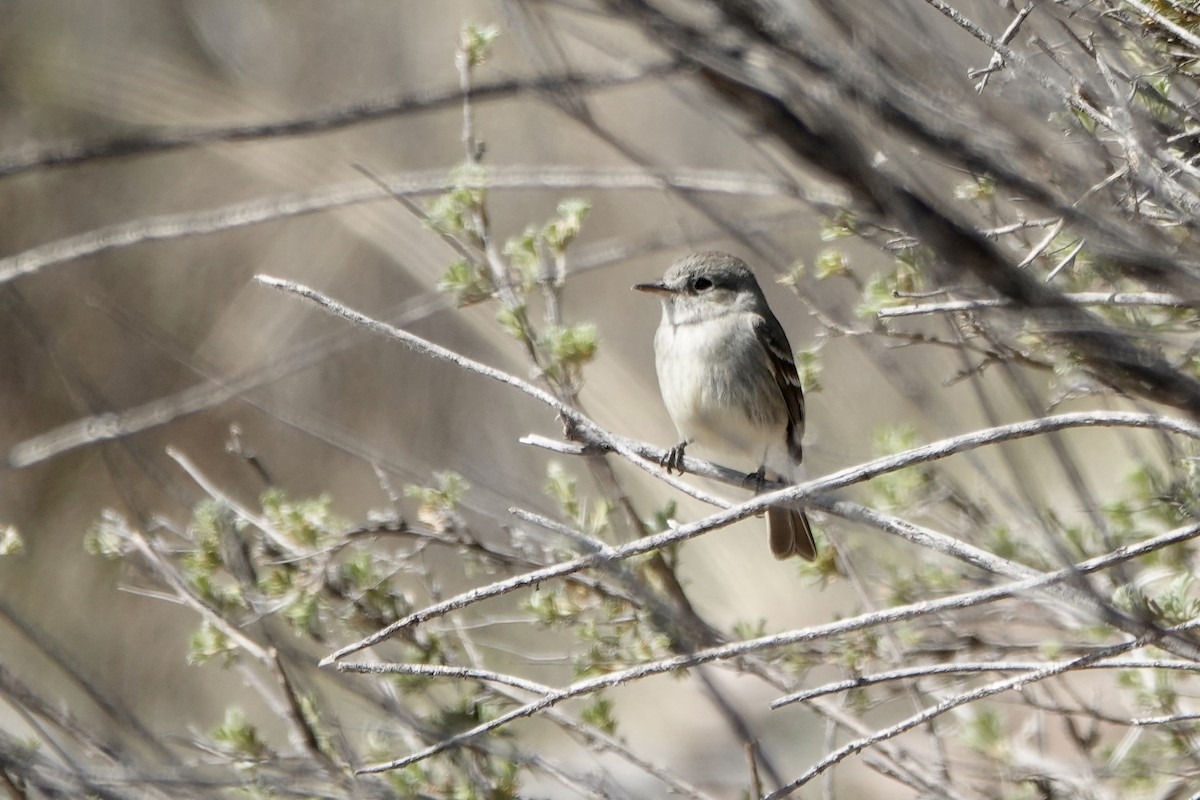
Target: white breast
pixel 718 388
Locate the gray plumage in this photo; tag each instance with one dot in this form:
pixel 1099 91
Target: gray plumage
pixel 728 380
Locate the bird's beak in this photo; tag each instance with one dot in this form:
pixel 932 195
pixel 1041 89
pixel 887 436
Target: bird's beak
pixel 654 287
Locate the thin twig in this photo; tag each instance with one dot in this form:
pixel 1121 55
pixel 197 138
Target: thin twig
pixel 210 488
pixel 1065 95
pixel 300 721
pixel 1065 262
pixel 1135 299
pixel 850 748
pixel 422 346
pixel 185 593
pixel 997 61
pixel 969 667
pixel 1165 720
pixel 446 671
pixel 1167 24
pixel 1041 246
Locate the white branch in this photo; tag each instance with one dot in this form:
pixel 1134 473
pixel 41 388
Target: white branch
pixel 447 671
pixel 1160 299
pixel 950 703
pixel 960 668
pixel 1175 29
pixel 275 207
pixel 813 633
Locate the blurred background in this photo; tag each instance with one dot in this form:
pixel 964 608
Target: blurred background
pixel 130 322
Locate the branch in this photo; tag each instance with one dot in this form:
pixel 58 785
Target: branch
pixel 422 346
pixel 997 61
pixel 1167 720
pixel 959 668
pixel 196 603
pixel 584 429
pixel 79 152
pixel 1158 299
pixel 1067 97
pixel 1171 27
pixel 275 207
pixel 850 748
pixel 447 671
pixel 813 633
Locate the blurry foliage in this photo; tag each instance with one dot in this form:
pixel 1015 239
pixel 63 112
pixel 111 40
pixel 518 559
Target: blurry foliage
pixel 238 739
pixel 592 520
pixel 11 543
pixel 466 282
pixel 903 489
pixel 439 504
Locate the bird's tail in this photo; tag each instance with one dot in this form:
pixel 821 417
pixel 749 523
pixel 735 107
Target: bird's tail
pixel 790 533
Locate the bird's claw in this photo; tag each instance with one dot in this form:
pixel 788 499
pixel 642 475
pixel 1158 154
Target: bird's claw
pixel 757 479
pixel 673 460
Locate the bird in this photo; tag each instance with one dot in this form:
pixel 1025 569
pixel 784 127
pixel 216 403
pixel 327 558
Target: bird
pixel 729 382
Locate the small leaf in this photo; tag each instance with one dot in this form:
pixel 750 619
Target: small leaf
pixel 808 366
pixel 522 252
pixel 467 283
pixel 207 643
pixel 439 504
pixel 571 345
pixel 562 487
pixel 476 42
pixel 516 322
pixel 559 233
pixel 794 275
pixel 831 263
pixel 982 187
pixel 839 226
pixel 237 737
pixel 310 522
pixel 599 713
pixel 109 537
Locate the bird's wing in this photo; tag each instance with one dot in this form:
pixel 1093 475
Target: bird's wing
pixel 779 358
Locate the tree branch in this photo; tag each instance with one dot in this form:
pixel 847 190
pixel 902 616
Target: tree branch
pixel 860 622
pixel 71 153
pixel 1159 299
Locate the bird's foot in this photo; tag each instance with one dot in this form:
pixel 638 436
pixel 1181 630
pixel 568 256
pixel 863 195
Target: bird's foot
pixel 673 460
pixel 756 479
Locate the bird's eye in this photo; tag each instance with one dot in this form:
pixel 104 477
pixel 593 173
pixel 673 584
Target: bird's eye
pixel 701 284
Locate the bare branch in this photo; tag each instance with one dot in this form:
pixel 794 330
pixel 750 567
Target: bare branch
pixel 997 61
pixel 949 704
pixel 1120 299
pixel 1041 246
pixel 446 671
pixel 268 209
pixel 197 604
pixel 76 153
pixel 860 622
pixel 1066 97
pixel 969 667
pixel 1164 720
pixel 1167 24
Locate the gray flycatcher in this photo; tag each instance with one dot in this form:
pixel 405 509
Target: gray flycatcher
pixel 728 380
